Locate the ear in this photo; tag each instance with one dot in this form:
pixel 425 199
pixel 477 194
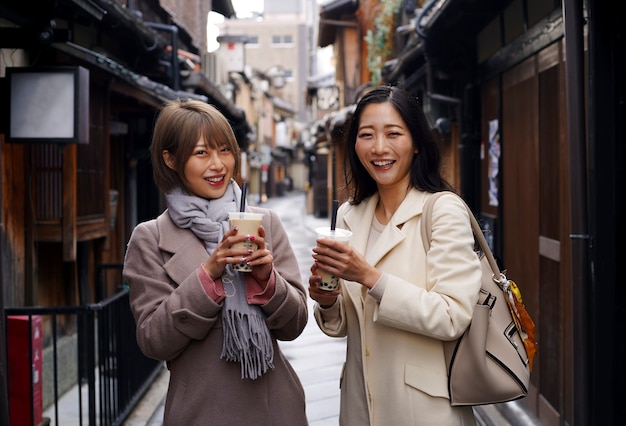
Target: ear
pixel 168 159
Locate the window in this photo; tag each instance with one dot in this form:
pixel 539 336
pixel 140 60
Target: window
pixel 282 40
pixel 253 41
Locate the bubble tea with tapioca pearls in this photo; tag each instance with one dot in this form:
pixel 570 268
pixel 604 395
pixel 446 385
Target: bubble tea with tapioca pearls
pixel 247 224
pixel 329 281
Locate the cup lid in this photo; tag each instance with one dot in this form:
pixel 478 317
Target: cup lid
pixel 337 232
pixel 245 215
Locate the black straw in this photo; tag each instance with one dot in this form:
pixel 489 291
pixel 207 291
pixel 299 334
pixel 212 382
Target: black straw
pixel 244 189
pixel 333 217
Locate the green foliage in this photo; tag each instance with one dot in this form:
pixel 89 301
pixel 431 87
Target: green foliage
pixel 380 38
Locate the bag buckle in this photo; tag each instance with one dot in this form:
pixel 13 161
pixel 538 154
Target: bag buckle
pixel 489 299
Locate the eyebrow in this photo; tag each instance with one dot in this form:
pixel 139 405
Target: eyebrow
pixel 386 126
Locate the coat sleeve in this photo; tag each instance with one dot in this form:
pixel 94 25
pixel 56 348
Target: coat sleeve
pixel 286 311
pixel 442 306
pixel 332 321
pixel 168 315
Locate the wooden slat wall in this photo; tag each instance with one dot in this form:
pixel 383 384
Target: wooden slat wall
pixel 14 201
pixel 68 233
pixel 552 364
pixel 520 177
pixel 520 197
pixel 535 219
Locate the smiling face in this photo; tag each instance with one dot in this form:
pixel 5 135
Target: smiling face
pixel 384 146
pixel 208 171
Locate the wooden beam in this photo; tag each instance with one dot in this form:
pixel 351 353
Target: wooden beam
pixel 69 203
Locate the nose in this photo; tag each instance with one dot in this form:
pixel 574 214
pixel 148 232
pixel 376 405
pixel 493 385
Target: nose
pixel 380 144
pixel 215 161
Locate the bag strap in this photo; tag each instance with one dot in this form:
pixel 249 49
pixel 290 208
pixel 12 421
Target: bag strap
pixel 426 230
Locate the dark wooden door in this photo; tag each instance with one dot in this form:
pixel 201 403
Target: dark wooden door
pixel 527 198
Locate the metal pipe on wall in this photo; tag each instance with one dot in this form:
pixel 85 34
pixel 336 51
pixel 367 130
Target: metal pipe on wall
pixel 576 134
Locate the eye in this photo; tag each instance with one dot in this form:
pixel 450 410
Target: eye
pixel 199 151
pixel 225 149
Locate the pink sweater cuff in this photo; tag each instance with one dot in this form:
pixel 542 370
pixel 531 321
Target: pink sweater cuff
pixel 213 289
pixel 257 295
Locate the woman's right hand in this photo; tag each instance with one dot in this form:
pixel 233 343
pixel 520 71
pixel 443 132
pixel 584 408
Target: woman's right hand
pixel 216 263
pixel 325 298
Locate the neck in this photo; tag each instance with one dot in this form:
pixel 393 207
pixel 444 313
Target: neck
pixel 388 203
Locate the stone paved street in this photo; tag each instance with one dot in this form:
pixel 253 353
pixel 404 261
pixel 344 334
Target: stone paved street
pixel 316 357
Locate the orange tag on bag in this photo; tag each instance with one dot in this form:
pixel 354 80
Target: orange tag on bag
pixel 523 321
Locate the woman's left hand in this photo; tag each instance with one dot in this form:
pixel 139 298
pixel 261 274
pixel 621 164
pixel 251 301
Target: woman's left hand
pixel 261 260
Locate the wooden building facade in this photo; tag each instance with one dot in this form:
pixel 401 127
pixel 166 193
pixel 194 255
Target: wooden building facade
pixel 67 209
pixel 527 100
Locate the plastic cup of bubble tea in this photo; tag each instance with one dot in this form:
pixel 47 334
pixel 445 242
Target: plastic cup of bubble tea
pixel 329 281
pixel 247 224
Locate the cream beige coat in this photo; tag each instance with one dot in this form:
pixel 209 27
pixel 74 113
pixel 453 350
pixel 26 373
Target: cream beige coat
pixel 177 322
pixel 395 373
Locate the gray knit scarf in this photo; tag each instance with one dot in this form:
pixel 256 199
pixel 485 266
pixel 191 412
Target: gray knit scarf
pixel 247 339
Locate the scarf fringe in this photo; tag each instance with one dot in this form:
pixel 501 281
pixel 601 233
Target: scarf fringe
pixel 253 350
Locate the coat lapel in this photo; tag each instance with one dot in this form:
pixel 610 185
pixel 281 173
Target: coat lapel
pixel 187 250
pixel 361 218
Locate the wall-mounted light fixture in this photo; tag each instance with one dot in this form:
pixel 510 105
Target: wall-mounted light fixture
pixel 48 105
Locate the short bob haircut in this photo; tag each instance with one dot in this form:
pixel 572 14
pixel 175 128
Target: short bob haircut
pixel 179 126
pixel 425 167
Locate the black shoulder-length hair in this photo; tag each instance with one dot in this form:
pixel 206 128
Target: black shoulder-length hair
pixel 425 168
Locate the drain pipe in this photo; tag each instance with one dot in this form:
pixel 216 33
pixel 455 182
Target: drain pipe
pixel 173 30
pixel 579 237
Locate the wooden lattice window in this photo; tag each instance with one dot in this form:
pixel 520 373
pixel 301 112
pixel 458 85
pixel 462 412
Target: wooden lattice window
pixel 48 171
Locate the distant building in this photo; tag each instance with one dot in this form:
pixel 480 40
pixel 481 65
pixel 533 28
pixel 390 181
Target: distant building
pixel 263 64
pixel 279 42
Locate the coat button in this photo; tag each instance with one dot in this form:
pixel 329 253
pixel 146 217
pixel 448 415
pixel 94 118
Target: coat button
pixel 367 351
pixel 183 319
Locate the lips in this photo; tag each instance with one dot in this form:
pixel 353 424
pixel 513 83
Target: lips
pixel 215 180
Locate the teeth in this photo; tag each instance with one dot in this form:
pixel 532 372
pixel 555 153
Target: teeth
pixel 215 179
pixel 382 163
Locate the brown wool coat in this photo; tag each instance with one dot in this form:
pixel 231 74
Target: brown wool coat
pixel 178 323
